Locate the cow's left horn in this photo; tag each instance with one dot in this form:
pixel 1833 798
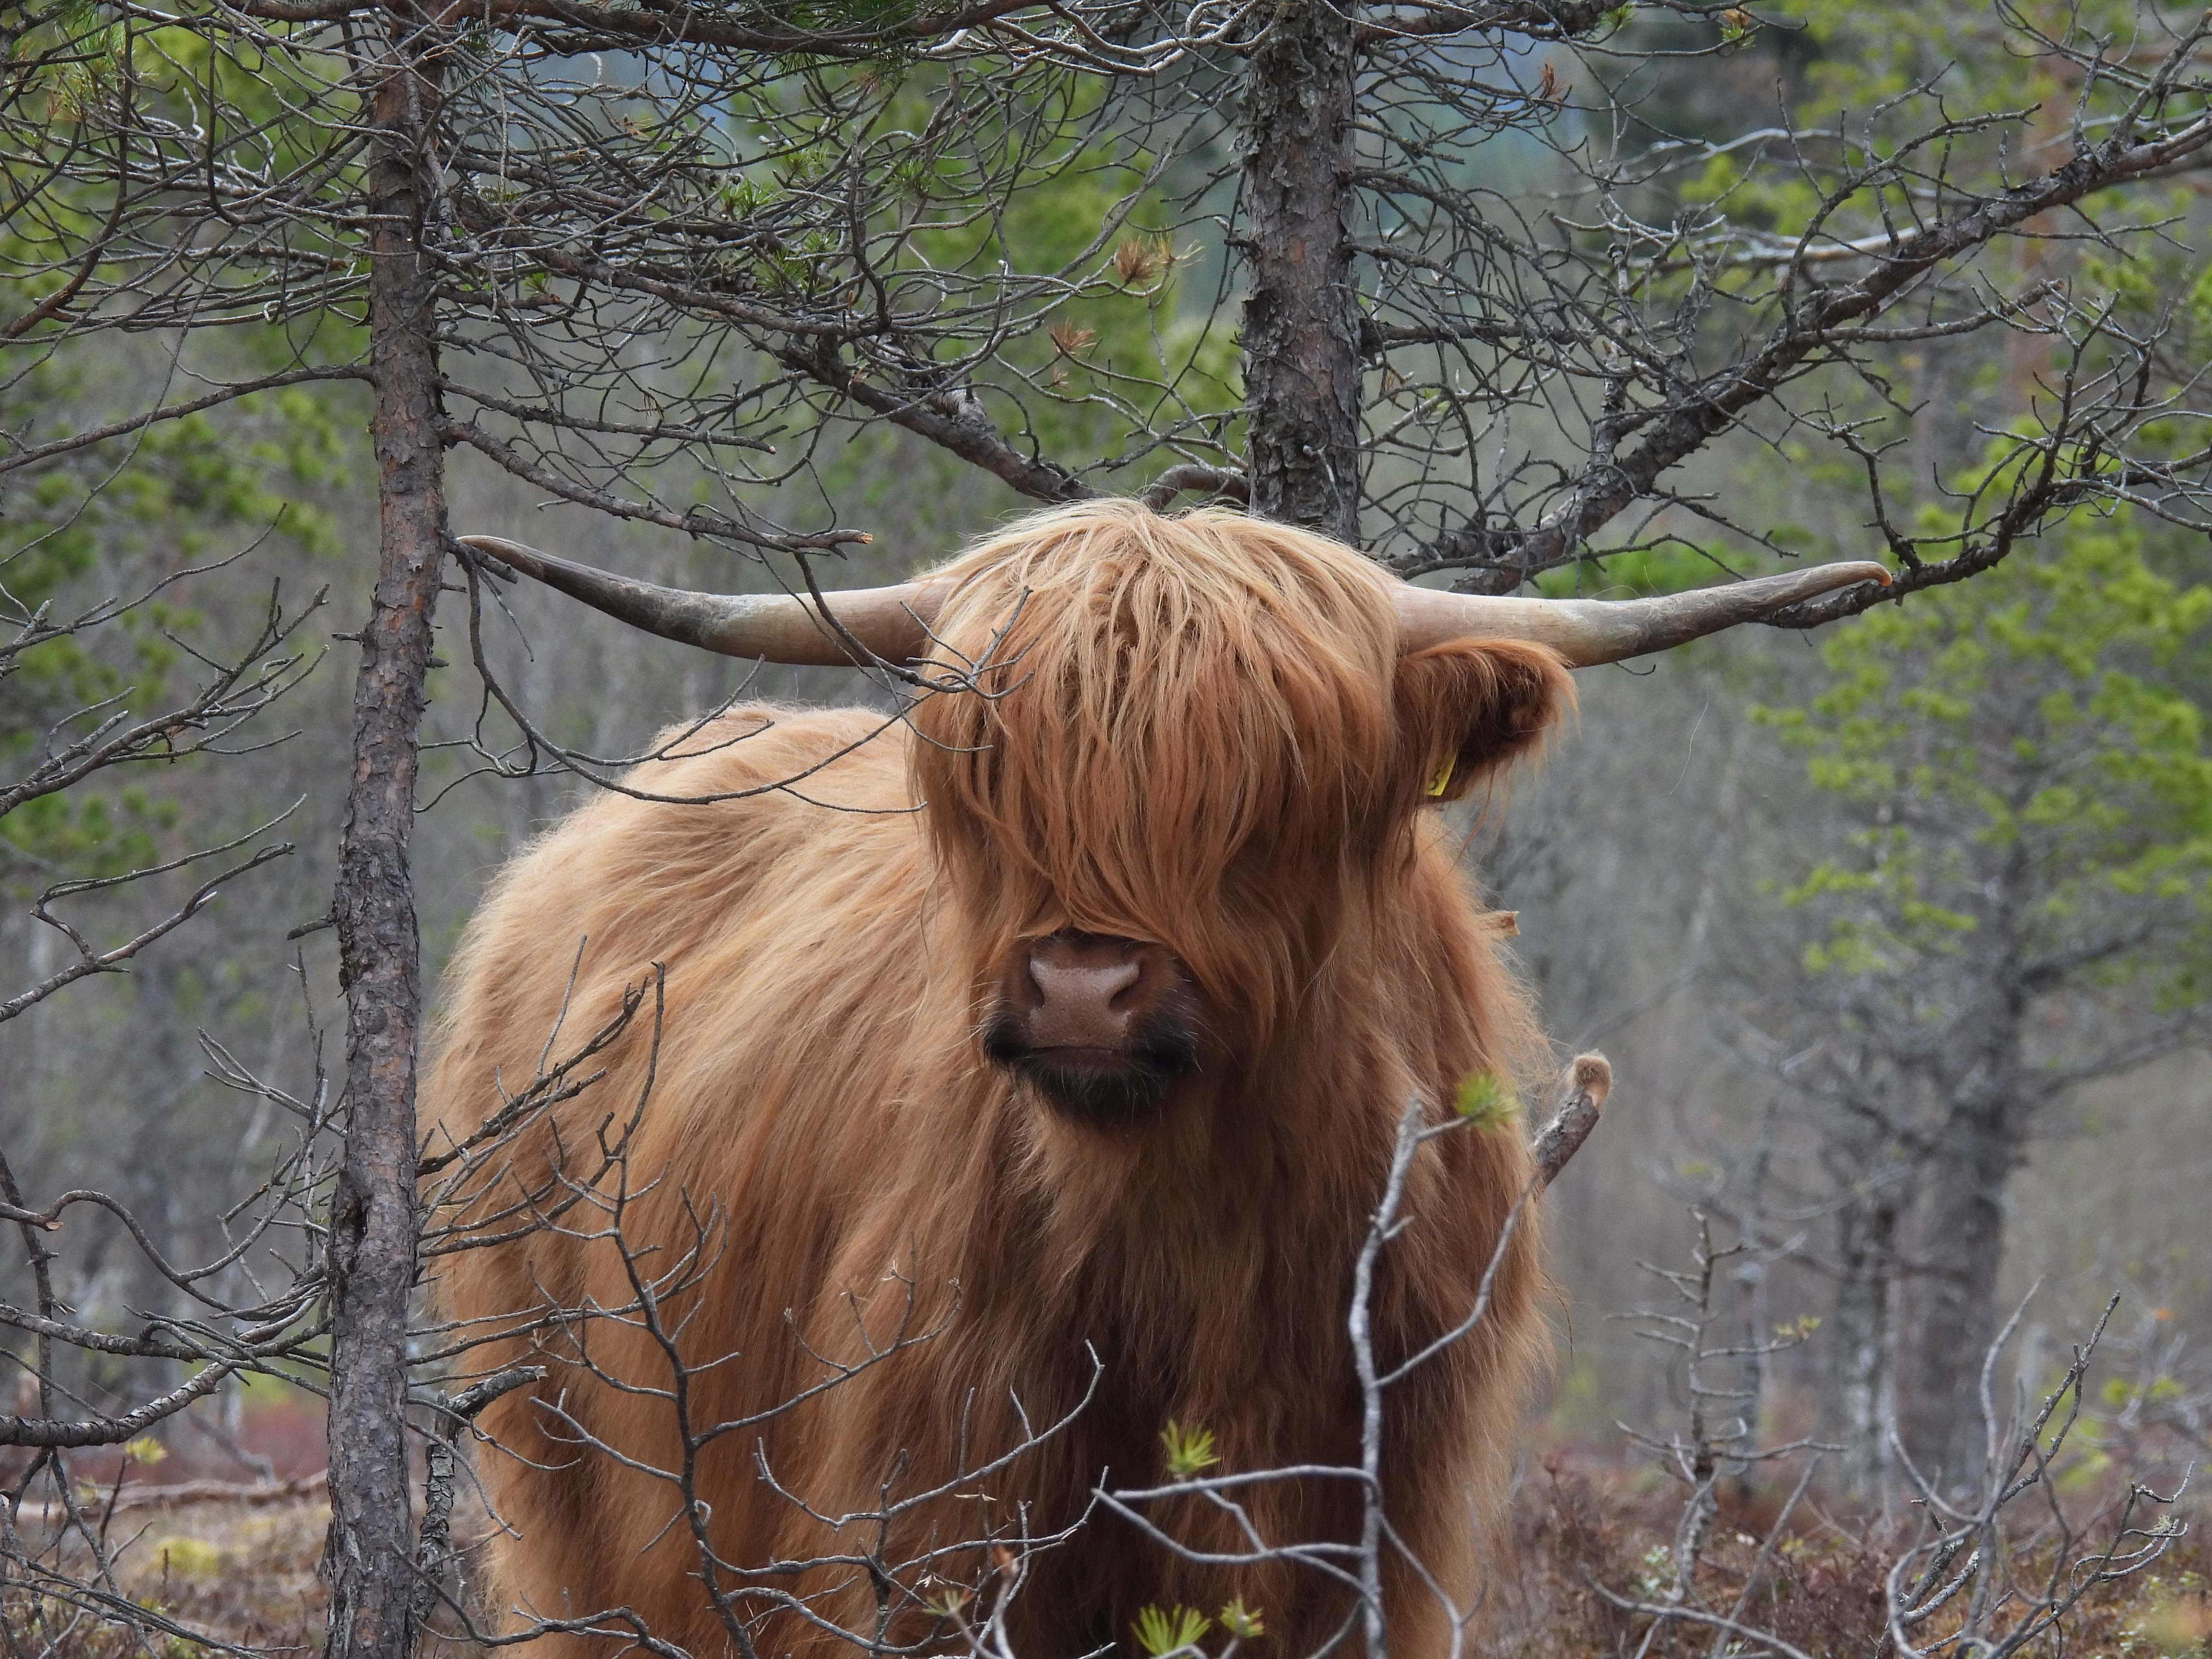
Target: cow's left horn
pixel 1587 632
pixel 890 623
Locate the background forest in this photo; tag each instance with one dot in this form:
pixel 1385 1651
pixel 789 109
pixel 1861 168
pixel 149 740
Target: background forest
pixel 1896 931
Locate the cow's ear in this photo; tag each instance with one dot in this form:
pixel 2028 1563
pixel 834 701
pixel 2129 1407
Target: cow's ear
pixel 1469 708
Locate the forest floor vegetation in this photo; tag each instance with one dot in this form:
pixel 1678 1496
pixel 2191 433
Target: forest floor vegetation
pixel 1579 1529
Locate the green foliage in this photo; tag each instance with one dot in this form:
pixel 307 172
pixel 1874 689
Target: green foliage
pixel 1241 1622
pixel 1637 574
pixel 1486 1103
pixel 100 526
pixel 72 56
pixel 1189 1449
pixel 1042 185
pixel 89 832
pixel 1177 1630
pixel 2014 754
pixel 1862 88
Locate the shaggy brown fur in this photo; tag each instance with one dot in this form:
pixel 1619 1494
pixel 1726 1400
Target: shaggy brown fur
pixel 1205 739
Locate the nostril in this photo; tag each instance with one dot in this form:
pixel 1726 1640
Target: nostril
pixel 1151 973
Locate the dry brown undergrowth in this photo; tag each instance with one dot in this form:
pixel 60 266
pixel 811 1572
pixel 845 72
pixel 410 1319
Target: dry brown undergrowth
pixel 247 1577
pixel 1821 1591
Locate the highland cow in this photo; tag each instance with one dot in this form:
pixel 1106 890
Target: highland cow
pixel 1041 1059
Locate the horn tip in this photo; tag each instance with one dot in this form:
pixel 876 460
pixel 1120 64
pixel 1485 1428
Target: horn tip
pixel 1845 572
pixel 513 554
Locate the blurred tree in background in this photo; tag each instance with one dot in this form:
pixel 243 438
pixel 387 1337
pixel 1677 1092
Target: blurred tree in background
pixel 2021 806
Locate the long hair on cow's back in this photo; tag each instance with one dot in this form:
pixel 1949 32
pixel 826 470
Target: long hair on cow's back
pixel 1194 730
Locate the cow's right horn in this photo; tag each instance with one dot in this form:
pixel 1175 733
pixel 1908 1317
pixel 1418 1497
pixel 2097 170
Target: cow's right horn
pixel 1588 632
pixel 888 624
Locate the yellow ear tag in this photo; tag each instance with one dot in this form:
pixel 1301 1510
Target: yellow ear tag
pixel 1442 782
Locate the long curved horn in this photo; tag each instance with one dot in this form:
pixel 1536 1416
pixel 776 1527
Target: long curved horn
pixel 1588 632
pixel 892 622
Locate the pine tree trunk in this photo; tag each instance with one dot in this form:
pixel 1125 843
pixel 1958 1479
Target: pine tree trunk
pixel 372 1223
pixel 1865 1314
pixel 1959 1253
pixel 1302 308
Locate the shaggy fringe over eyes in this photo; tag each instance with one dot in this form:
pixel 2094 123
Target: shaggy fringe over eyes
pixel 1194 740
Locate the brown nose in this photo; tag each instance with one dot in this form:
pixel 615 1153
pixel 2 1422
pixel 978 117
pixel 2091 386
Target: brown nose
pixel 1082 991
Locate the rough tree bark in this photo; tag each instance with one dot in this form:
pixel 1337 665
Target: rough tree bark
pixel 1958 1257
pixel 1302 307
pixel 372 1223
pixel 1865 1333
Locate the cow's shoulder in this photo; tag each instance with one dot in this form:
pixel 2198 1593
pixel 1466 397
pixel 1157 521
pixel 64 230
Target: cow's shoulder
pixel 726 801
pixel 689 848
pixel 778 754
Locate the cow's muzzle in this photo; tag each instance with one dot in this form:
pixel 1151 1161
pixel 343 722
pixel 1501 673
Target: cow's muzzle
pixel 1101 1027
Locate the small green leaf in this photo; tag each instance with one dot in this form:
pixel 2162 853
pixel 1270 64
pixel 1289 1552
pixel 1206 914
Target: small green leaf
pixel 1486 1103
pixel 1190 1449
pixel 1175 1631
pixel 1241 1622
